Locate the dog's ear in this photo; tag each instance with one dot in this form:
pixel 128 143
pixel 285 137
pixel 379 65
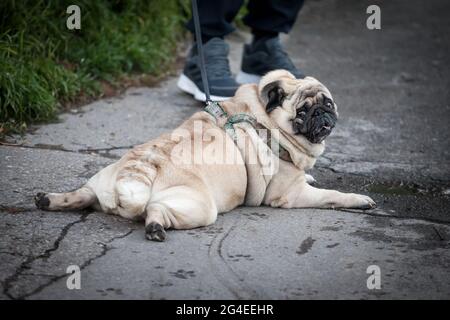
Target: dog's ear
pixel 272 95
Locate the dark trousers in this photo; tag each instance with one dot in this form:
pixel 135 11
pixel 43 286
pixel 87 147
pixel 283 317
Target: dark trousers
pixel 273 16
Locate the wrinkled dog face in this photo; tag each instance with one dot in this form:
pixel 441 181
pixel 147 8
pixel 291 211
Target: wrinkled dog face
pixel 301 107
pixel 315 121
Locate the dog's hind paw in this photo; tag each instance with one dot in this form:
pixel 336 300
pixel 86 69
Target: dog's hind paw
pixel 154 231
pixel 41 200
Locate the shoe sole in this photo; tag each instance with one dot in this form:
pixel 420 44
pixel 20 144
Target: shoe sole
pixel 244 77
pixel 187 85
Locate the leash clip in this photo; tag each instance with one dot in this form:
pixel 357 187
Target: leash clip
pixel 214 109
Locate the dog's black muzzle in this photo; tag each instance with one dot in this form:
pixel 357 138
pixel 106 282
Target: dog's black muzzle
pixel 315 123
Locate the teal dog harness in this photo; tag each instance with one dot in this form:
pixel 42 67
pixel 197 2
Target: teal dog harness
pixel 214 109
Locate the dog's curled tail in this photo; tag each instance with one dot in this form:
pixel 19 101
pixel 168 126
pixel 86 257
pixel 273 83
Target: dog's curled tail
pixel 133 187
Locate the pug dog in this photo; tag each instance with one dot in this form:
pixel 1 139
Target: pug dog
pixel 159 183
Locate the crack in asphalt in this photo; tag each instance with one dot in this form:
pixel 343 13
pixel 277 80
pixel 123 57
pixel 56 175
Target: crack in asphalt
pixel 26 265
pixel 14 209
pixel 102 152
pixel 105 250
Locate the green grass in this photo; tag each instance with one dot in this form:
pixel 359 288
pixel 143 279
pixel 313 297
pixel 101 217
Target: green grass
pixel 43 65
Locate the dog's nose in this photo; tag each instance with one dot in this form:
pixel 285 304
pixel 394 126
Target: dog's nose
pixel 318 112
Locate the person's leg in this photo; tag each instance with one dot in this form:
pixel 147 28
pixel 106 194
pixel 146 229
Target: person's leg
pixel 272 16
pixel 268 18
pixel 215 22
pixel 215 17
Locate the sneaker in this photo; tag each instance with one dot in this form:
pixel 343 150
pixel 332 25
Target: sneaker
pixel 264 56
pixel 222 85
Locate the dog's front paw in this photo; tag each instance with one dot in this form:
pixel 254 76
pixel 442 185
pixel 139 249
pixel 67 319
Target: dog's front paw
pixel 360 201
pixel 41 200
pixel 154 231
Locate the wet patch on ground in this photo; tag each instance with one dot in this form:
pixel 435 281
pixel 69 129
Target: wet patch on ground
pixel 305 246
pixel 183 274
pixel 238 257
pixel 405 189
pixel 110 291
pixel 421 236
pixel 422 199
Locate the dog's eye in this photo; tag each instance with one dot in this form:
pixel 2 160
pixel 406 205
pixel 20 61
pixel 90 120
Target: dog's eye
pixel 328 103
